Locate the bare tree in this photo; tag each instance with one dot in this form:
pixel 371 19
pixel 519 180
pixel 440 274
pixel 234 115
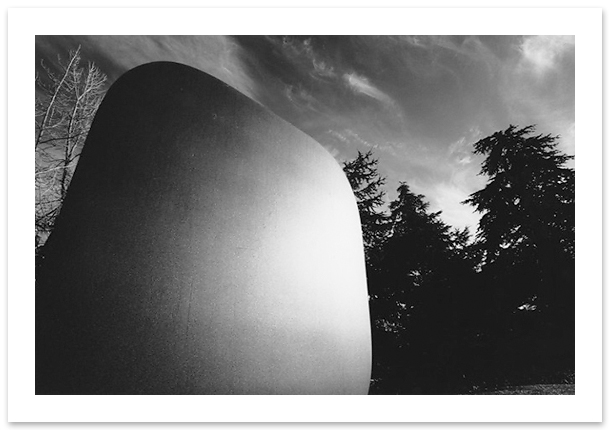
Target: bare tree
pixel 66 101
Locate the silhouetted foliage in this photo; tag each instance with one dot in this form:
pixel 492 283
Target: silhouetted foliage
pixel 526 237
pixel 529 198
pixel 415 286
pixel 366 183
pixel 450 314
pixel 421 296
pixel 527 227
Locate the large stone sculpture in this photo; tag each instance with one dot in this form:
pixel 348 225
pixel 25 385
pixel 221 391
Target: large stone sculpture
pixel 205 247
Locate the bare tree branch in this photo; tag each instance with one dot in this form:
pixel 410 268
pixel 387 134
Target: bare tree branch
pixel 65 108
pixel 73 57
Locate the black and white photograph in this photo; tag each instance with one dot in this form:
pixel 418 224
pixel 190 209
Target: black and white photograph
pixel 352 215
pixel 208 245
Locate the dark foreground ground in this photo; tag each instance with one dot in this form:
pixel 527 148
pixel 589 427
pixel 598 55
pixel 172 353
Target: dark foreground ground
pixel 552 389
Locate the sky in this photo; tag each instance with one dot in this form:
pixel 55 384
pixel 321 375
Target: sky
pixel 418 102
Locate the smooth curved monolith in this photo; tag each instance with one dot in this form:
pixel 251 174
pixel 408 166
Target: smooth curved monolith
pixel 205 246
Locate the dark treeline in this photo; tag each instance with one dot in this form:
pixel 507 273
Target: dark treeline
pixel 453 312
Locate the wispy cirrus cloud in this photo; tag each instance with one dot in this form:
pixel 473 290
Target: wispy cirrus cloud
pixel 350 137
pixel 313 63
pixel 361 85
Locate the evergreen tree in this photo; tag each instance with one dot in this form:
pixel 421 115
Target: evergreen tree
pixel 366 183
pixel 420 298
pixel 419 241
pixel 527 227
pixel 526 238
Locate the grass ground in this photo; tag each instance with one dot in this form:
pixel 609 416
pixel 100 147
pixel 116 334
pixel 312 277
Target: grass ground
pixel 538 389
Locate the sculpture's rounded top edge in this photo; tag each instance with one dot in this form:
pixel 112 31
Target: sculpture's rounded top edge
pixel 171 72
pixel 170 67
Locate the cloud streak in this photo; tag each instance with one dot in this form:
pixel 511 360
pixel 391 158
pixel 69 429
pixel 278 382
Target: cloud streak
pixel 361 85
